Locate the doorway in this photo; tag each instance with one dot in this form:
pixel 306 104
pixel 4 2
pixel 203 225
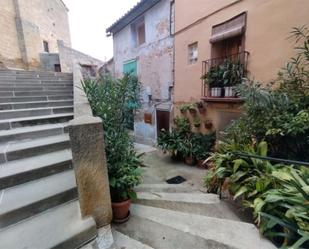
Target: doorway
pixel 163 120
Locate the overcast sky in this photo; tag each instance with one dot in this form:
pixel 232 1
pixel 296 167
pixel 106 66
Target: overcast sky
pixel 89 20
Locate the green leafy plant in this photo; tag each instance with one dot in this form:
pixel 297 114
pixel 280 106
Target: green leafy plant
pixel 197 122
pixel 203 145
pixel 226 74
pixel 184 108
pixel 112 100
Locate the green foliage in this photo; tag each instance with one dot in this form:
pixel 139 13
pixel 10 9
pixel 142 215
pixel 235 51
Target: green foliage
pixel 180 142
pixel 112 100
pixel 278 194
pixel 279 112
pixel 226 74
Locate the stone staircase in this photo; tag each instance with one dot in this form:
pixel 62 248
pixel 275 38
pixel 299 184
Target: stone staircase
pixel 180 216
pixel 38 196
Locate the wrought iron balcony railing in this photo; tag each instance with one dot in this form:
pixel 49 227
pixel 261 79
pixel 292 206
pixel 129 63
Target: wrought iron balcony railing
pixel 241 57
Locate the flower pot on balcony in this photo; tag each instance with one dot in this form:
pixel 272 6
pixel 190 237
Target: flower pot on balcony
pixel 216 92
pixel 229 92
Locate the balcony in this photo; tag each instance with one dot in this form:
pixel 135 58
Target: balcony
pixel 221 74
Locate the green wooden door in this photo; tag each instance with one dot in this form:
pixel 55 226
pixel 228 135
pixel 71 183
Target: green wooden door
pixel 130 67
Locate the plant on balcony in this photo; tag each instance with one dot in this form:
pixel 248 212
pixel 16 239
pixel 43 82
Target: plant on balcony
pixel 233 75
pixel 111 100
pixel 213 79
pixel 225 75
pixel 192 109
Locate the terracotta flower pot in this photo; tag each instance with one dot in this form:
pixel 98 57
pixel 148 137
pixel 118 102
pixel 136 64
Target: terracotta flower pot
pixel 201 164
pixel 208 126
pixel 192 111
pixel 121 211
pixel 189 160
pixel 202 110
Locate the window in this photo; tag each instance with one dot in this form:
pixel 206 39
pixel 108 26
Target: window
pixel 141 37
pixel 46 47
pixel 192 53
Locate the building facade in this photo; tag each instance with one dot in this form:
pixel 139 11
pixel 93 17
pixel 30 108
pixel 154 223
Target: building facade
pixel 143 45
pixel 256 31
pixel 30 31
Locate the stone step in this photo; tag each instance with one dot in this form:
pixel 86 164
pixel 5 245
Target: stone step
pixel 37 88
pixel 35 93
pixel 35 98
pixel 196 203
pixel 33 112
pixel 167 188
pixel 31 72
pixel 39 120
pixel 32 168
pixel 30 148
pixel 123 241
pixel 61 227
pixel 37 104
pixel 34 81
pixel 23 201
pixel 35 85
pixel 33 132
pixel 172 229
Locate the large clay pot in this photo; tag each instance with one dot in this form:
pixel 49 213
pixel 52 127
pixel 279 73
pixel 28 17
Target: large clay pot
pixel 189 160
pixel 121 211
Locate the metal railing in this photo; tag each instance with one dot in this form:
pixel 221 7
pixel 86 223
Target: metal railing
pixel 241 57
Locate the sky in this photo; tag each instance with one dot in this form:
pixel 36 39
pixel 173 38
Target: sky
pixel 88 21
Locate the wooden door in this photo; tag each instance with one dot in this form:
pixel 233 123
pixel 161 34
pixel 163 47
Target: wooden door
pixel 163 120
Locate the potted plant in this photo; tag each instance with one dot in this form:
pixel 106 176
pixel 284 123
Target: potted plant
pixel 213 79
pixel 197 122
pixel 123 178
pixel 192 110
pixel 186 148
pixel 202 146
pixel 232 76
pixel 201 108
pixel 208 124
pixel 184 108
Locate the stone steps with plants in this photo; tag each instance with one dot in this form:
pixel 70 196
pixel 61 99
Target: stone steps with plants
pixel 37 184
pixel 173 229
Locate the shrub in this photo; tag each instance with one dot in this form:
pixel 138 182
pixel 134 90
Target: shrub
pixel 112 100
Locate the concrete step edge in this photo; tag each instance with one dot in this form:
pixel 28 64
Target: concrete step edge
pixel 28 169
pixel 23 201
pixel 124 241
pixel 227 232
pixel 60 227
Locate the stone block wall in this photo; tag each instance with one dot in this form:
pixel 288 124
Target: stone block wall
pixel 68 57
pixel 24 25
